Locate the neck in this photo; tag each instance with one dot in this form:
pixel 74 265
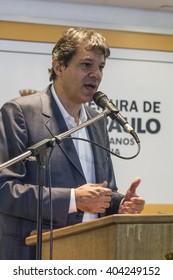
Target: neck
pixel 76 119
pixel 72 108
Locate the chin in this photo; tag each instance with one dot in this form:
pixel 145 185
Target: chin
pixel 89 99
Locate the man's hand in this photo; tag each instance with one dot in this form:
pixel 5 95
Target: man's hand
pixel 93 198
pixel 132 203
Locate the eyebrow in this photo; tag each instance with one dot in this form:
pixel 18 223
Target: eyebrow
pixel 91 59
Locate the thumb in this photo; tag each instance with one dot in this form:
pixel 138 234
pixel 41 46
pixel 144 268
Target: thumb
pixel 134 185
pixel 104 184
pixel 131 192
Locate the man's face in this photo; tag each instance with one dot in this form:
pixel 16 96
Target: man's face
pixel 81 78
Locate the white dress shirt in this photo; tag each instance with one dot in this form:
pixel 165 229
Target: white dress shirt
pixel 84 151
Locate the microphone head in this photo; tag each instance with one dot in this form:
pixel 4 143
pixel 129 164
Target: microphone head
pixel 100 99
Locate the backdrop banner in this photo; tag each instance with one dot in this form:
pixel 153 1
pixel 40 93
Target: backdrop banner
pixel 139 82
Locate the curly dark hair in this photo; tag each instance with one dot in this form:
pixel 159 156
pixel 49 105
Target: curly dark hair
pixel 71 40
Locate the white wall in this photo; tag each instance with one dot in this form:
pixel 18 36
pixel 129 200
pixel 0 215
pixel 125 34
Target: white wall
pixel 141 78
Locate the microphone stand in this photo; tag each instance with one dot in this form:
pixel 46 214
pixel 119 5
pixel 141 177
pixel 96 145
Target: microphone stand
pixel 38 150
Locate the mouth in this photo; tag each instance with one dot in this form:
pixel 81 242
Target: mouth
pixel 91 87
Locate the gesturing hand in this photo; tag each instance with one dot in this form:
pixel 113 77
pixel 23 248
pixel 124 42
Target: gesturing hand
pixel 93 198
pixel 132 204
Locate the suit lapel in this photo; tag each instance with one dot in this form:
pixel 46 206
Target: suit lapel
pixel 56 125
pixel 98 157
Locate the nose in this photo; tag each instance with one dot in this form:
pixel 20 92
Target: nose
pixel 96 73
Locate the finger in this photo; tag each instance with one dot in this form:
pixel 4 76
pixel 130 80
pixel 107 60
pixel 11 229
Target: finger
pixel 106 205
pixel 133 207
pixel 107 198
pixel 126 210
pixel 138 200
pixel 104 184
pixel 134 185
pixel 104 188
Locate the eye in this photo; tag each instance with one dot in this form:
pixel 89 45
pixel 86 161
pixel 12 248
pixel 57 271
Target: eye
pixel 86 65
pixel 101 68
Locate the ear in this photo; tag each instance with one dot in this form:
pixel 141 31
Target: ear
pixel 57 67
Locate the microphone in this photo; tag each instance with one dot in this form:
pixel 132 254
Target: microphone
pixel 102 101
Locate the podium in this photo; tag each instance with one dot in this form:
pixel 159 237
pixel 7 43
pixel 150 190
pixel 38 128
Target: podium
pixel 115 237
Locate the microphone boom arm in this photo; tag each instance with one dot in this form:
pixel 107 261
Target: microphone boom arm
pixel 37 148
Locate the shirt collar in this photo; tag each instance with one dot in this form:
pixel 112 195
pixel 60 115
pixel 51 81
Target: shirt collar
pixel 65 114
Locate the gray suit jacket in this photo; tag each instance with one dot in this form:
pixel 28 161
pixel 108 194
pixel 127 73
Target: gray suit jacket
pixel 24 122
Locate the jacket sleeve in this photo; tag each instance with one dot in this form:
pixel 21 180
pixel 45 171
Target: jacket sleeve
pixel 18 187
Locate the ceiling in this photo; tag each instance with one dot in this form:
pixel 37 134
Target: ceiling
pixel 154 5
pixel 153 16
